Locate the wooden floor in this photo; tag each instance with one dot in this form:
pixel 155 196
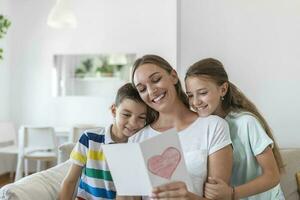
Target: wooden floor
pixel 5 179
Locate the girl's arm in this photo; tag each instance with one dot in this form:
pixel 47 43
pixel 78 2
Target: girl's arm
pixel 69 182
pixel 217 189
pixel 270 176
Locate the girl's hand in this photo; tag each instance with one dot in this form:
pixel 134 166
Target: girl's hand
pixel 217 189
pixel 174 190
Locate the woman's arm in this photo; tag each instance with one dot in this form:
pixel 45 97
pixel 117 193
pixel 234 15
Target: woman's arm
pixel 69 182
pixel 219 174
pixel 174 190
pixel 270 176
pixel 220 164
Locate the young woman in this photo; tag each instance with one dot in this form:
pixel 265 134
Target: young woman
pixel 255 154
pixel 205 141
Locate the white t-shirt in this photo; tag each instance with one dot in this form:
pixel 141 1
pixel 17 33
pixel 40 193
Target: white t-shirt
pixel 199 140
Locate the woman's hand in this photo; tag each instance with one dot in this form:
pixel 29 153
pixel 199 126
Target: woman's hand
pixel 174 190
pixel 217 189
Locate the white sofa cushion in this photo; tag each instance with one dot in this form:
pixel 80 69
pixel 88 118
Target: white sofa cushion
pixel 64 152
pixel 42 185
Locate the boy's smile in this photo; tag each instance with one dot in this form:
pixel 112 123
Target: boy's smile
pixel 130 116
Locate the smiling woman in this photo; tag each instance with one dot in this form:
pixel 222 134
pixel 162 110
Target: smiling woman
pixel 205 141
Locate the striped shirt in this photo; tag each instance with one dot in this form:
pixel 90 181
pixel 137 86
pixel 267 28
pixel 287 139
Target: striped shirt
pixel 95 181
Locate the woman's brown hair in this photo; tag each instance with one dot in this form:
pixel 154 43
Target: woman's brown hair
pixel 162 63
pixel 234 99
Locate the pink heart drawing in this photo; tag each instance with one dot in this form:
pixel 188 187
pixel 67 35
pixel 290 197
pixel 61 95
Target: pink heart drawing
pixel 165 164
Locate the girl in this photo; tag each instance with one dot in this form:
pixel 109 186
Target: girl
pixel 256 156
pixel 205 141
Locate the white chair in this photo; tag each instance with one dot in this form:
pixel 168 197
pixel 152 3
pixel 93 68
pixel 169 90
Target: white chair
pixel 35 143
pixel 78 129
pixel 8 141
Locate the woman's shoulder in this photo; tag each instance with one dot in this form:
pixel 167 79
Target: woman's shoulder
pixel 211 123
pixel 212 120
pixel 143 134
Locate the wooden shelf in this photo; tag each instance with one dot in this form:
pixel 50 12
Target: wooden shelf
pixel 97 79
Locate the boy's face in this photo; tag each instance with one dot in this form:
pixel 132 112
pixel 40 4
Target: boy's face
pixel 130 116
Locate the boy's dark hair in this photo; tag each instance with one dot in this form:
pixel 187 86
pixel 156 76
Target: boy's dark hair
pixel 127 91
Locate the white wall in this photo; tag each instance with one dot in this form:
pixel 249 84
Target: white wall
pixel 258 42
pixel 104 26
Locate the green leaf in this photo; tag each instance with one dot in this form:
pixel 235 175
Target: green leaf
pixel 4 25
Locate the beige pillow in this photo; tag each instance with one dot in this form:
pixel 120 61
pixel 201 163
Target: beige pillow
pixel 64 151
pixel 298 181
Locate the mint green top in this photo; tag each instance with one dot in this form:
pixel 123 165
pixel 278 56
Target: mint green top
pixel 249 139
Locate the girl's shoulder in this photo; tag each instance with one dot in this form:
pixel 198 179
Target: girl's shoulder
pixel 242 117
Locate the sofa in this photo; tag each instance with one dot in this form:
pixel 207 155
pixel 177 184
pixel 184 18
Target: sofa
pixel 46 184
pixel 43 185
pixel 291 159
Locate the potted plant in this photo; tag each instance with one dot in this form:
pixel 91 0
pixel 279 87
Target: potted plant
pixel 4 25
pixel 79 73
pixel 105 70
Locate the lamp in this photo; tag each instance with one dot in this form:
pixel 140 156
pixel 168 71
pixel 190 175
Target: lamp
pixel 61 15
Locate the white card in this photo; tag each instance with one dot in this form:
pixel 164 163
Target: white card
pixel 138 167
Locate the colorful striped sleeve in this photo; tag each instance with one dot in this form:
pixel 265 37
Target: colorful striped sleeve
pixel 80 151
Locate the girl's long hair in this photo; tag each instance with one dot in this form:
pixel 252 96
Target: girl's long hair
pixel 234 100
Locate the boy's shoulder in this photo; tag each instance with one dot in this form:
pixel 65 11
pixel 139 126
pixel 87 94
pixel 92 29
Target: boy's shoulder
pixel 97 134
pixel 97 131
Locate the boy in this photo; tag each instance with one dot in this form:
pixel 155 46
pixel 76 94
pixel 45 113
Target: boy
pixel 88 162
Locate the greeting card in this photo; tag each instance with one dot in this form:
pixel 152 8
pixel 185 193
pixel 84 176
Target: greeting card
pixel 138 167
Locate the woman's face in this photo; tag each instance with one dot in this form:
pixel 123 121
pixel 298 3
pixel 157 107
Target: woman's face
pixel 205 95
pixel 156 86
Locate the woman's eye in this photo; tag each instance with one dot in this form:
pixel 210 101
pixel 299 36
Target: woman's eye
pixel 156 79
pixel 126 115
pixel 202 93
pixel 142 118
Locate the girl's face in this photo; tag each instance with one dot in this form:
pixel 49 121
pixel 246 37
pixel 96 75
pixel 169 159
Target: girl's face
pixel 156 86
pixel 205 95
